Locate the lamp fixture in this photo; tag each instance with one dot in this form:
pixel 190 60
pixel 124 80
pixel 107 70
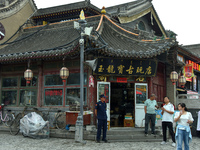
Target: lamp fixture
pixel 174 77
pixel 64 72
pixel 182 80
pixel 28 74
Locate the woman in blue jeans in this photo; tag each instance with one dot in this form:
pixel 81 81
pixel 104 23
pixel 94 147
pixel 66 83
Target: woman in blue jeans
pixel 183 133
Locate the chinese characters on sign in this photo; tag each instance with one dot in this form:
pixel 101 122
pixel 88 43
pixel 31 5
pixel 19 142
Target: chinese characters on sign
pixel 126 67
pixel 53 92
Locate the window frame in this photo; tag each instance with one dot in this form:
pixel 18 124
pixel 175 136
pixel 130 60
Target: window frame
pixel 30 83
pixel 143 25
pixel 9 86
pixel 54 89
pixel 54 84
pixel 9 90
pixel 64 87
pixel 18 88
pixel 71 87
pixel 27 90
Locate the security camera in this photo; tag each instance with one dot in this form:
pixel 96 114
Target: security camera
pixel 81 41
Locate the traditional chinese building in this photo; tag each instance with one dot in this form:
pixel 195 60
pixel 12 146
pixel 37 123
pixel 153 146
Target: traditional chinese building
pixel 14 14
pixel 134 56
pixel 189 55
pixel 188 61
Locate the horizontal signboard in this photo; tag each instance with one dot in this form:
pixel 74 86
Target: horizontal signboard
pixel 126 67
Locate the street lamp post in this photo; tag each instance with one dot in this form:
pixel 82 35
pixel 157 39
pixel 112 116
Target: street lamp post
pixel 79 122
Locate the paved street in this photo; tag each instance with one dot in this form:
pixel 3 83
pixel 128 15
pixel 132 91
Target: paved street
pixel 9 142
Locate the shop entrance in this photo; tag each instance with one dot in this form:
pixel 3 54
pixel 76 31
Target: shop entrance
pixel 122 112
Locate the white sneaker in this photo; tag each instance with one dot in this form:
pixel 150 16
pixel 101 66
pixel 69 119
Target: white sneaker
pixel 163 142
pixel 174 144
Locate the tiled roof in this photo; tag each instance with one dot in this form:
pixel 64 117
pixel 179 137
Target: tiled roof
pixel 123 43
pixel 62 39
pixel 63 8
pixel 130 8
pixel 194 49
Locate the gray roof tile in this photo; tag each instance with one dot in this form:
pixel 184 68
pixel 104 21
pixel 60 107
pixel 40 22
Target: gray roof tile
pixel 51 40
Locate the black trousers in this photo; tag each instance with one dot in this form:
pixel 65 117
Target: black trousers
pixel 164 129
pixel 102 123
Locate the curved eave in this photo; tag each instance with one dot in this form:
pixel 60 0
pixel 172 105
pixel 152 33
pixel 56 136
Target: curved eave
pixel 188 53
pixel 120 42
pixel 123 43
pixel 145 53
pixel 56 53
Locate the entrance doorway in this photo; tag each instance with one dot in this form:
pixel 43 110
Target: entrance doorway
pixel 122 112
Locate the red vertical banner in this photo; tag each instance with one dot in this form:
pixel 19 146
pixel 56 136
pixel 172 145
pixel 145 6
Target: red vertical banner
pixel 188 71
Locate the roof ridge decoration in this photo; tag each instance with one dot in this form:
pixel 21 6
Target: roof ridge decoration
pixel 120 27
pixel 131 11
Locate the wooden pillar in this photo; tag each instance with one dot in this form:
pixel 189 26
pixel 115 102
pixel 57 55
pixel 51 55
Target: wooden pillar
pixel 40 84
pixel 150 86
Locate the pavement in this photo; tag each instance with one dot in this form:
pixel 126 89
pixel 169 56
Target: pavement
pixel 10 142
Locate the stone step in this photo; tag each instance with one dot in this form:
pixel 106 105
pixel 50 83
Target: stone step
pixel 134 131
pixel 113 135
pixel 124 137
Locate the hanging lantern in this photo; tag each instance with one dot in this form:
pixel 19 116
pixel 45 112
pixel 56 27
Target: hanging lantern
pixel 64 73
pixel 28 75
pixel 174 77
pixel 182 80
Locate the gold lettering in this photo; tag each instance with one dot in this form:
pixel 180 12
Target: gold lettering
pixel 100 69
pixel 148 70
pixel 139 70
pixel 141 79
pixel 130 70
pixel 110 69
pixel 120 69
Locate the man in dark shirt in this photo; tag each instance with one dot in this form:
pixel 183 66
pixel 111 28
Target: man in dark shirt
pixel 100 112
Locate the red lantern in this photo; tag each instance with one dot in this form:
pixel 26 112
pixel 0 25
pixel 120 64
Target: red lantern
pixel 64 73
pixel 174 77
pixel 28 75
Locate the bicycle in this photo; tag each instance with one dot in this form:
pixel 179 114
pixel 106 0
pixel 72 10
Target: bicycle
pixel 60 120
pixel 14 127
pixel 46 116
pixel 15 124
pixel 7 118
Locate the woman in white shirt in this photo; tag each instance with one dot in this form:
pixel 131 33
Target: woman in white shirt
pixel 183 133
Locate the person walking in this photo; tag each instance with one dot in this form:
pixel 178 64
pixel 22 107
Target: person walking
pixel 167 120
pixel 100 112
pixel 149 108
pixel 183 132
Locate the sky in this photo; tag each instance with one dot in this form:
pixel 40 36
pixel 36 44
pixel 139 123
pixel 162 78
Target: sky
pixel 179 16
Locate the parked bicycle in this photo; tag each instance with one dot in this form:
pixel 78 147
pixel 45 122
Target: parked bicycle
pixel 14 127
pixel 15 124
pixel 60 120
pixel 7 118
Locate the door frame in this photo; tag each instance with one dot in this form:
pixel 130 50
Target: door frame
pixel 139 108
pixel 99 92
